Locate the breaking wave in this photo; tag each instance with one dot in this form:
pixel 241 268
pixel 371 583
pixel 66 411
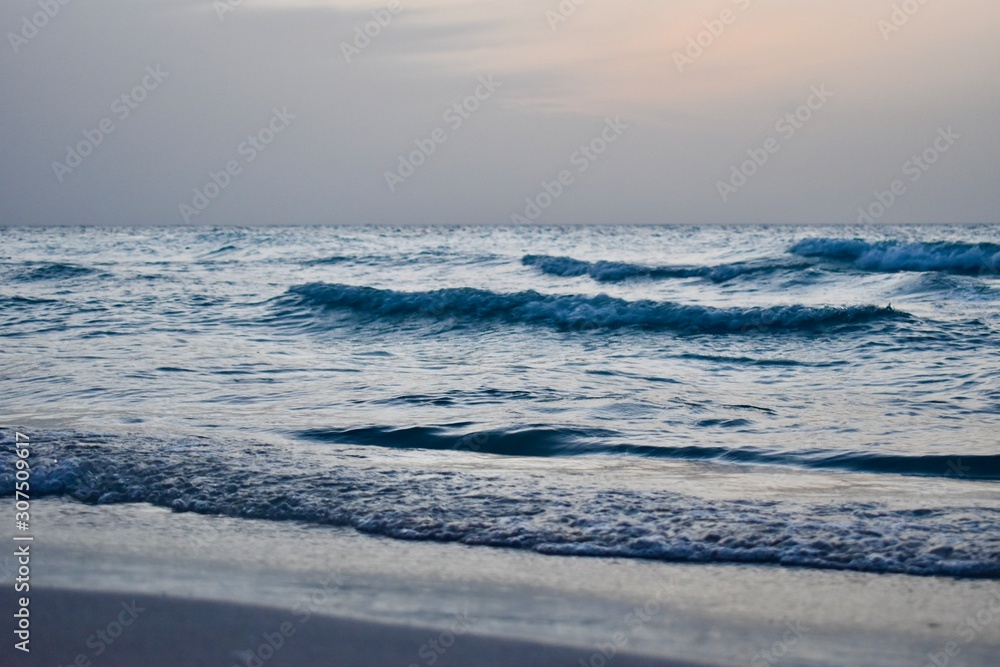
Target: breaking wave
pixel 578 311
pixel 551 441
pixel 567 514
pixel 605 271
pixel 31 272
pixel 895 256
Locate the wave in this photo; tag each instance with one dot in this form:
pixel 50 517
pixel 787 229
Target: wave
pixel 577 311
pixel 558 513
pixel 481 396
pixel 896 256
pixel 946 285
pixel 551 441
pixel 527 441
pixel 436 256
pixel 23 302
pixel 605 271
pixel 335 259
pixel 755 361
pixel 44 271
pixel 224 249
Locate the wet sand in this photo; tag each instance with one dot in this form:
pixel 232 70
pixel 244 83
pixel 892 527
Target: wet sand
pixel 185 589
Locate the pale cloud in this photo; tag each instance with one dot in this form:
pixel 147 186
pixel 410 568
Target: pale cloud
pixel 607 59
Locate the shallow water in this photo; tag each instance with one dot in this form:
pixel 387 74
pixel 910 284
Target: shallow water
pixel 812 397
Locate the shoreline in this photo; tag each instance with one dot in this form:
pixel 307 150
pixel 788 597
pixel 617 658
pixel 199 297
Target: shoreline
pixel 214 586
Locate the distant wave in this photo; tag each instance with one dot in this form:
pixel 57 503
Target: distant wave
pixel 577 311
pixel 223 249
pixel 550 441
pixel 436 256
pixel 896 256
pixel 23 302
pixel 754 361
pixel 52 271
pixel 605 271
pixel 566 514
pixel 335 259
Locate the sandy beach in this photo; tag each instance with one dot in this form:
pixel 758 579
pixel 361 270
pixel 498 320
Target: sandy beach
pixel 137 585
pixel 190 632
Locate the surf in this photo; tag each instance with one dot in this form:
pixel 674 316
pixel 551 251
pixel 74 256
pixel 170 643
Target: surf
pixel 897 256
pixel 578 312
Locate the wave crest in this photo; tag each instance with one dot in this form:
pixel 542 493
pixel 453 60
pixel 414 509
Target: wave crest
pixel 571 311
pixel 605 271
pixel 568 514
pixel 54 271
pixel 896 256
pixel 542 440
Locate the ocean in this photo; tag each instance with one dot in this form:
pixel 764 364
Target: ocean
pixel 799 397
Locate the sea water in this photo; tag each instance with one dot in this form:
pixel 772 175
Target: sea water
pixel 793 396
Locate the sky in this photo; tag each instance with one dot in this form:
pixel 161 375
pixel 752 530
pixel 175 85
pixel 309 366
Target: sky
pixel 255 112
